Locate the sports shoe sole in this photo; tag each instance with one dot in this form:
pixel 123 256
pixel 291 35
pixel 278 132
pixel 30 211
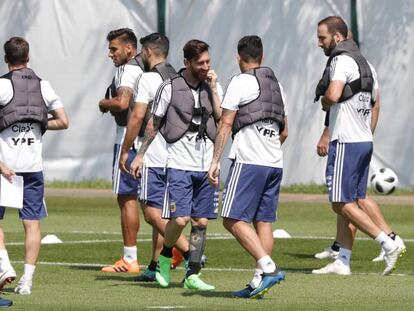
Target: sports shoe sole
pixel 260 294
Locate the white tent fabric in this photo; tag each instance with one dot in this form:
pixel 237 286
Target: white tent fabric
pixel 68 48
pixel 288 31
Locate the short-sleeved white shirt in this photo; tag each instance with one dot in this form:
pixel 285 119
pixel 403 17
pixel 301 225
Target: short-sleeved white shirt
pixel 259 142
pixel 350 120
pixel 145 90
pixel 187 153
pixel 127 76
pixel 21 143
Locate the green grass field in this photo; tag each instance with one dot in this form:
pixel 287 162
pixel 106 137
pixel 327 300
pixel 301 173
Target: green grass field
pixel 68 276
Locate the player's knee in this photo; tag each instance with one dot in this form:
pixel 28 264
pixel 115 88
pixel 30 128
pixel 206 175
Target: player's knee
pixel 200 222
pixel 149 218
pixel 182 221
pixel 337 208
pixel 228 224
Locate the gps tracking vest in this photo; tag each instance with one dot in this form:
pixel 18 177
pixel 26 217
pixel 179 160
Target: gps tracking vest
pixel 365 83
pixel 27 103
pixel 166 71
pixel 268 105
pixel 180 112
pixel 121 118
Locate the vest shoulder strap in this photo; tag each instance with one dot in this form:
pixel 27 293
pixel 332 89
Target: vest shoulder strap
pixel 165 70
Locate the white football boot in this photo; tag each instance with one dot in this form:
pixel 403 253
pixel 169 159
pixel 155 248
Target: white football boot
pixel 336 267
pixel 327 253
pixel 24 287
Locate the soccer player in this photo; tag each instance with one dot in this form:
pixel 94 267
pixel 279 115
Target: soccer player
pixel 350 95
pixel 254 111
pixel 185 111
pixel 25 102
pixel 368 205
pixel 153 182
pixel 123 52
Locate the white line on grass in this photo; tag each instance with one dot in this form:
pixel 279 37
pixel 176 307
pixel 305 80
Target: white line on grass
pixel 166 307
pixel 98 265
pixel 216 236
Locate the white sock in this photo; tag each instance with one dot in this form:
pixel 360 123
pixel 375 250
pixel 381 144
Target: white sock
pixel 130 253
pixel 257 278
pixel 28 271
pixel 345 256
pixel 386 242
pixel 266 264
pixel 4 259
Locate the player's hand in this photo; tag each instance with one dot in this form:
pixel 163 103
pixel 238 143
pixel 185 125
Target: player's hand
pixel 136 166
pixel 6 172
pixel 122 161
pixel 212 79
pixel 322 146
pixel 213 174
pixel 101 108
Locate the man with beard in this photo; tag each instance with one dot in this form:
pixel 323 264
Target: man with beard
pixel 350 91
pixel 185 111
pixel 123 52
pixel 153 182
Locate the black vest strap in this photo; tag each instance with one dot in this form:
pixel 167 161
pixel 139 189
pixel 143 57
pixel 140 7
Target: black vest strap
pixel 166 71
pixel 121 118
pixel 366 81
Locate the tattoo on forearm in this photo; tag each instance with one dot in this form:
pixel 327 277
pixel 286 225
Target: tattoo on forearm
pixel 220 142
pixel 150 132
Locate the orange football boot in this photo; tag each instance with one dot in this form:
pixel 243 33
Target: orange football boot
pixel 177 258
pixel 122 266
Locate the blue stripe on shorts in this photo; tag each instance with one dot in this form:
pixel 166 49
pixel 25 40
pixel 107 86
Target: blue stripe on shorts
pixel 190 194
pixel 123 183
pixel 153 184
pixel 347 170
pixel 251 192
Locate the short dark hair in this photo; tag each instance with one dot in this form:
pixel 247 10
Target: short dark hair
pixel 250 48
pixel 194 48
pixel 157 41
pixel 335 24
pixel 16 50
pixel 126 35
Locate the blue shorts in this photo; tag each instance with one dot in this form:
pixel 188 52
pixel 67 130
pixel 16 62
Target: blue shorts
pixel 153 184
pixel 251 192
pixel 190 194
pixel 347 170
pixel 122 183
pixel 34 206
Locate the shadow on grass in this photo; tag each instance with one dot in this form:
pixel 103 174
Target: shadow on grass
pixel 7 290
pixel 85 268
pixel 108 277
pixel 157 286
pixel 300 270
pixel 209 294
pixel 301 256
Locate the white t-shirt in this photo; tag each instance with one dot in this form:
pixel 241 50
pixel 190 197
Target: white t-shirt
pixel 259 142
pixel 188 153
pixel 145 90
pixel 125 75
pixel 350 120
pixel 21 143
